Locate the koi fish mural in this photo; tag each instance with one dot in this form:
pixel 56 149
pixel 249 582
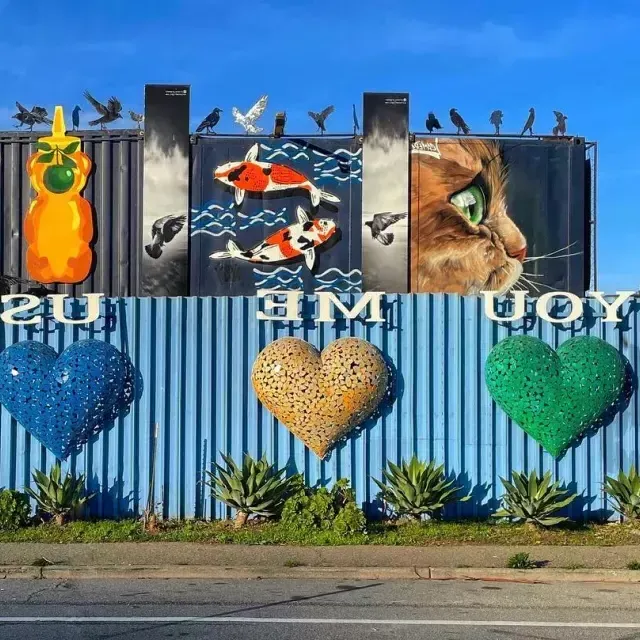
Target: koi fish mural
pixel 300 238
pixel 266 177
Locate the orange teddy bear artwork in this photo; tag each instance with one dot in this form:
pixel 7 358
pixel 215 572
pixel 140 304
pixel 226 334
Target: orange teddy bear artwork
pixel 58 226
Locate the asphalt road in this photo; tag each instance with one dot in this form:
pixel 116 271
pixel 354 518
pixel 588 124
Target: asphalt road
pixel 315 609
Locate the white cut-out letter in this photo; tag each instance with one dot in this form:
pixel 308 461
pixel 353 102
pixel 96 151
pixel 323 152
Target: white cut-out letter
pixel 93 308
pixel 326 300
pixel 519 300
pixel 33 302
pixel 291 305
pixel 576 306
pixel 611 307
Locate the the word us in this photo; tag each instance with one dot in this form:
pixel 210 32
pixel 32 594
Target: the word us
pixel 57 308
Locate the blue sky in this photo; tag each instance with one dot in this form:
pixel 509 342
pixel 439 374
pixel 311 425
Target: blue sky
pixel 580 57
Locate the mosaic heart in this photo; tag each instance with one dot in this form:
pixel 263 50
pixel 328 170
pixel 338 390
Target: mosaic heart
pixel 555 395
pixel 320 397
pixel 62 400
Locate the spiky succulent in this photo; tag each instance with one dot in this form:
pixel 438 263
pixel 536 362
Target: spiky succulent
pixel 416 488
pixel 256 488
pixel 624 493
pixel 59 498
pixel 534 500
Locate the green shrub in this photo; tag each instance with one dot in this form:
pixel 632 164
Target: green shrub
pixel 61 499
pixel 533 500
pixel 521 561
pixel 417 488
pixel 256 488
pixel 14 510
pixel 624 493
pixel 320 509
pixel 634 565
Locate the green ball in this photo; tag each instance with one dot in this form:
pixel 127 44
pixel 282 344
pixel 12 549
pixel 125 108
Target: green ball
pixel 58 179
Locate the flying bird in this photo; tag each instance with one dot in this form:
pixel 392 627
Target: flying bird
pixel 107 114
pixel 561 128
pixel 138 118
pixel 380 222
pixel 496 120
pixel 356 124
pixel 40 114
pixel 37 115
pixel 75 117
pixel 458 121
pixel 528 125
pixel 319 118
pixel 164 231
pixel 432 122
pixel 210 121
pixel 248 120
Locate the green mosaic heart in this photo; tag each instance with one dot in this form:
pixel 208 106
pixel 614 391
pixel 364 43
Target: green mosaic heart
pixel 555 395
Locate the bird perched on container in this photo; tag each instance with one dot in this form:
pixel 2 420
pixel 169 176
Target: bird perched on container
pixel 210 121
pixel 320 118
pixel 432 122
pixel 75 117
pixel 496 120
pixel 248 120
pixel 561 128
pixel 138 118
pixel 458 122
pixel 163 231
pixel 380 222
pixel 528 125
pixel 108 113
pixel 356 124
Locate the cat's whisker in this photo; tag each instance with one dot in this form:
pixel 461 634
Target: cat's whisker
pixel 552 253
pixel 529 282
pixel 569 255
pixel 542 284
pixel 533 275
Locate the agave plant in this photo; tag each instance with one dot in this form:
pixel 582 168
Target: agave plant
pixel 59 498
pixel 534 500
pixel 624 493
pixel 417 488
pixel 256 488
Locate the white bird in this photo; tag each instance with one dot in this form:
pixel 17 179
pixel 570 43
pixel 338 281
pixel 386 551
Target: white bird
pixel 248 120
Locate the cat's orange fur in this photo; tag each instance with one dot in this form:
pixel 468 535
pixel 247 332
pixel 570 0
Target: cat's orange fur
pixel 448 253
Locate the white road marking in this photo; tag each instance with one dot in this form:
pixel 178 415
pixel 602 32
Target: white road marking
pixel 335 621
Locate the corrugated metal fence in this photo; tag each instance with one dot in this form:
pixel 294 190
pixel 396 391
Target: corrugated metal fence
pixel 195 356
pixel 115 190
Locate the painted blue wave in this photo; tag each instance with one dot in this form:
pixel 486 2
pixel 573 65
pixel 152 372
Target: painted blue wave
pixel 338 281
pixel 281 279
pixel 215 220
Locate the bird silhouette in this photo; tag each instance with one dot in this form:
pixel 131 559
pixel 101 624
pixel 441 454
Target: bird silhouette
pixel 380 222
pixel 40 114
pixel 107 113
pixel 528 125
pixel 248 120
pixel 163 231
pixel 356 123
pixel 496 120
pixel 210 121
pixel 24 118
pixel 320 118
pixel 458 122
pixel 75 117
pixel 561 128
pixel 138 118
pixel 37 115
pixel 34 288
pixel 432 122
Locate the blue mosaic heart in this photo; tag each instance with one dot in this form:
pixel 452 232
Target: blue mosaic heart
pixel 63 400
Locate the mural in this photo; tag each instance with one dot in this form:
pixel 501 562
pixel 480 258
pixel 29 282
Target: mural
pixel 385 197
pixel 555 396
pixel 496 216
pixel 164 268
pixel 275 214
pixel 62 400
pixel 58 226
pixel 320 397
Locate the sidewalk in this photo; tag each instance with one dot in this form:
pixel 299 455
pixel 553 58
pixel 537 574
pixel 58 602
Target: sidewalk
pixel 190 560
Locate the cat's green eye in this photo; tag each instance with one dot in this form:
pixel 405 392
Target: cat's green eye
pixel 470 203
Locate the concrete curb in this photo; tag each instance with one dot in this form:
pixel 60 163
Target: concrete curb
pixel 191 572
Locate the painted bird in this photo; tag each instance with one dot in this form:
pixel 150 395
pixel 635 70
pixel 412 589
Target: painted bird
pixel 458 122
pixel 33 288
pixel 320 118
pixel 380 222
pixel 248 120
pixel 561 128
pixel 356 124
pixel 138 118
pixel 528 125
pixel 432 122
pixel 163 231
pixel 75 117
pixel 107 114
pixel 210 121
pixel 496 120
